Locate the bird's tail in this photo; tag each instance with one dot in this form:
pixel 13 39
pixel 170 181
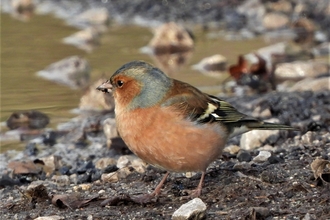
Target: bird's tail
pixel 268 126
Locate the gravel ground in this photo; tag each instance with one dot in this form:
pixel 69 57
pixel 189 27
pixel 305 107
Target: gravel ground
pixel 281 187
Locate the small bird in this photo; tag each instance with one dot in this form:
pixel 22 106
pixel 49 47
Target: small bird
pixel 171 124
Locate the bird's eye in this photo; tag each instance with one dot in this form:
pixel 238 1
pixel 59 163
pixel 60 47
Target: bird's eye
pixel 120 83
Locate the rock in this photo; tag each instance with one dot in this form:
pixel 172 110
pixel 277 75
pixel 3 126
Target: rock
pixel 139 165
pixel 51 217
pixel 300 69
pixel 171 38
pixel 194 209
pixel 322 49
pixel 27 119
pixel 262 157
pixel 126 160
pixel 232 149
pixel 24 167
pixel 72 71
pixel 265 113
pixel 61 180
pixel 96 100
pixel 110 130
pixel 82 187
pixel 254 11
pixel 86 165
pixel 318 84
pixel 280 6
pixel 104 162
pixel 256 138
pixel 50 163
pixel 212 66
pixel 244 156
pixel 86 39
pixel 260 212
pixel 110 177
pixel 22 9
pixel 96 17
pixel 242 166
pixel 308 138
pixel 275 20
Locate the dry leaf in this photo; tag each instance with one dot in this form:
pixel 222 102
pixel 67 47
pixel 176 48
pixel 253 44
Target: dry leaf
pixel 72 201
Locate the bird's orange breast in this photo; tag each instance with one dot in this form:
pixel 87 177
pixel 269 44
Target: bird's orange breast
pixel 162 137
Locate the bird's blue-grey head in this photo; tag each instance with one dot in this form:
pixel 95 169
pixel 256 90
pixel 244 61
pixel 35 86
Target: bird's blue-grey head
pixel 154 84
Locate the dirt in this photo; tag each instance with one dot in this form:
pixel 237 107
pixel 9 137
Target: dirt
pixel 282 187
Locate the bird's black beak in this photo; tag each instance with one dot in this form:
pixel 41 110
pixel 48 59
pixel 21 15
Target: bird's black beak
pixel 105 87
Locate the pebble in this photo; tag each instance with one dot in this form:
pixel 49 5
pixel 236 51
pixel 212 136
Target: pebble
pixel 61 180
pixel 82 187
pixel 308 138
pixel 194 209
pixel 274 20
pixel 85 166
pixel 256 138
pixel 242 166
pixel 262 157
pixel 83 178
pixel 232 149
pixel 110 177
pixel 244 156
pixel 105 162
pixel 51 217
pixel 72 71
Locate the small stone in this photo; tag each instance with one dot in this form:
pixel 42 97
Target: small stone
pixel 244 156
pixel 275 20
pixel 84 178
pixel 72 71
pixel 194 209
pixel 85 166
pixel 139 165
pixel 232 149
pixel 309 84
pixel 96 175
pixel 242 166
pixel 260 212
pixel 82 187
pixel 51 217
pixel 105 162
pixel 62 180
pixel 125 161
pixel 110 169
pixel 51 163
pixel 124 172
pixel 262 157
pixel 308 138
pixel 274 159
pixel 110 177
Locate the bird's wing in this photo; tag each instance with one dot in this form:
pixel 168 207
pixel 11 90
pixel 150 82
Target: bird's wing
pixel 201 107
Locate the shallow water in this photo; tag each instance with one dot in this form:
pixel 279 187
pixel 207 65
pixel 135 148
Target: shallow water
pixel 27 47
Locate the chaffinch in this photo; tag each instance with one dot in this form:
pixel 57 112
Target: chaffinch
pixel 171 124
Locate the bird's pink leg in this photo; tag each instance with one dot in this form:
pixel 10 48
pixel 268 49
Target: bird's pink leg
pixel 196 192
pixel 147 198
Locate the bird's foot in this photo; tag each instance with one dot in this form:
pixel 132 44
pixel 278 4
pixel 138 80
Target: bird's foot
pixel 195 193
pixel 144 199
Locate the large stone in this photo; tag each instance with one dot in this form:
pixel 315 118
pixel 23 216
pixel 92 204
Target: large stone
pixel 256 138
